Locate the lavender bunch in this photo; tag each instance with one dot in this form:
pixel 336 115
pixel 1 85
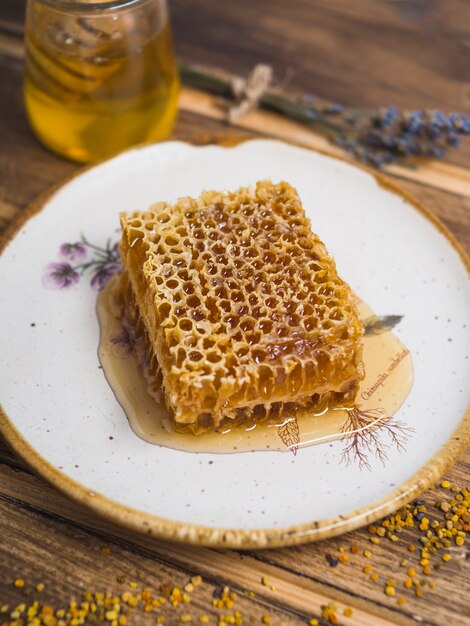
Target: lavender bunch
pixel 376 138
pixel 392 135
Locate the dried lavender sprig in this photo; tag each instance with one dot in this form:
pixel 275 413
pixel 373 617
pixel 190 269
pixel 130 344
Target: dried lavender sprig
pixel 376 138
pixel 393 135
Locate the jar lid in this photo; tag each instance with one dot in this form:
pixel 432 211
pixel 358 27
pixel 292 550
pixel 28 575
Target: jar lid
pixel 93 5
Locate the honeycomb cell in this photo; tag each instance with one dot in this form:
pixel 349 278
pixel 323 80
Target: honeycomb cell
pixel 240 308
pixel 185 324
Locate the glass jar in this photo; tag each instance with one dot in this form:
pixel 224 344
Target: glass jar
pixel 100 76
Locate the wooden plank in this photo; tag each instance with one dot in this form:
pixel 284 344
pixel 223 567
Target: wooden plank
pixel 7 212
pixel 71 560
pixel 301 576
pixel 301 595
pixel 413 54
pixel 443 176
pixel 11 44
pixel 439 175
pixel 365 53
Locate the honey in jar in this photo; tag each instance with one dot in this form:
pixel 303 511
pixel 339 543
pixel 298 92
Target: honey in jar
pixel 100 76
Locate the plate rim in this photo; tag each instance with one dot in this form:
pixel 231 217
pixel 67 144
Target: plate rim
pixel 195 534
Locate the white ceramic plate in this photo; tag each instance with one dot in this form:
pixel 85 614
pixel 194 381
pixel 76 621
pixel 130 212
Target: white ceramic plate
pixel 61 415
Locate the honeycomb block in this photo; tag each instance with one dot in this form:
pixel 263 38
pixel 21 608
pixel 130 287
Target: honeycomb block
pixel 243 310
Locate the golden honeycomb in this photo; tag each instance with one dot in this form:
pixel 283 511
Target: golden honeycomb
pixel 243 312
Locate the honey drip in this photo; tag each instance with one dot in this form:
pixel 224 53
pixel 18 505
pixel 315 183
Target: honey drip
pixel 387 383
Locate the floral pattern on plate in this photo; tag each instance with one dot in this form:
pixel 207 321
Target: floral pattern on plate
pixel 80 259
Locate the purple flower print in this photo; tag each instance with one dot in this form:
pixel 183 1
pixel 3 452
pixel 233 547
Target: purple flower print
pixel 59 276
pixel 73 251
pixel 103 274
pixel 102 263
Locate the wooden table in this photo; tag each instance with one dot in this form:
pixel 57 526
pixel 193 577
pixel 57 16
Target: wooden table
pixel 413 53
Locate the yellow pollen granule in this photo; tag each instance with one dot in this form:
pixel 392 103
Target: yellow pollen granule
pixel 111 615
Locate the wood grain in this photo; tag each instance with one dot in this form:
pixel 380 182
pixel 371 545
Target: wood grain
pixel 301 576
pixel 444 176
pixel 439 175
pixel 302 595
pixel 413 53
